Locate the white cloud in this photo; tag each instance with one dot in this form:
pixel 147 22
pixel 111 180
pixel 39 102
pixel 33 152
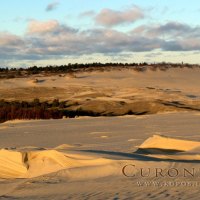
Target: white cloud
pixel 8 39
pixel 109 17
pixel 41 27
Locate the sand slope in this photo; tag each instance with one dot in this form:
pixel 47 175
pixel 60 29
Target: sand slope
pixel 11 164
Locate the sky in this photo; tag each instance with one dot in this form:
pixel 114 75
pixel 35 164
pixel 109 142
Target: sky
pixel 45 32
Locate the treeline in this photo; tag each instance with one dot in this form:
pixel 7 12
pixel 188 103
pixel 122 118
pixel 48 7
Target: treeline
pixel 10 110
pixel 13 72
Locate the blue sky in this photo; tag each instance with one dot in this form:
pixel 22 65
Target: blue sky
pixel 46 32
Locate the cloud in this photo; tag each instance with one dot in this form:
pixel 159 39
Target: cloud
pixel 11 46
pixel 8 39
pixel 88 13
pixel 41 27
pixel 175 36
pixel 169 29
pixel 51 39
pixel 109 17
pixel 153 54
pixel 52 6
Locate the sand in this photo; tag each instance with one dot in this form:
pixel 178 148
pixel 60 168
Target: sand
pixel 102 157
pixel 165 143
pixel 105 92
pixel 29 164
pixel 170 149
pixel 87 166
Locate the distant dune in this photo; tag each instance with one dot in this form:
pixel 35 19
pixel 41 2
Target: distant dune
pixel 112 93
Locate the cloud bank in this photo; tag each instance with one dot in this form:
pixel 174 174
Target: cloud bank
pixel 51 39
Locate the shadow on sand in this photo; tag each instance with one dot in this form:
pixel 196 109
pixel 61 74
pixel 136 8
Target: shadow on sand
pixel 136 156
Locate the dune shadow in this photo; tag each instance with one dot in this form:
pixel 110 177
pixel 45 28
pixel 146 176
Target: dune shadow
pixel 180 105
pixel 192 96
pixel 82 76
pixel 158 151
pixel 136 156
pixel 8 197
pixel 39 80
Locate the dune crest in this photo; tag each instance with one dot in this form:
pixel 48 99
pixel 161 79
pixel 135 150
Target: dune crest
pixel 170 148
pixel 167 143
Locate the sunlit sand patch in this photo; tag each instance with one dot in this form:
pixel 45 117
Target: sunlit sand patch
pixel 3 127
pixel 94 133
pixel 134 116
pixel 163 142
pixel 85 117
pixel 64 146
pixel 132 140
pixel 104 136
pixel 18 121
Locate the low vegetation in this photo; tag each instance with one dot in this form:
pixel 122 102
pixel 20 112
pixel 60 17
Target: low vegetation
pixel 6 72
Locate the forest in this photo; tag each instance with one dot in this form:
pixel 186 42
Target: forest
pixel 10 110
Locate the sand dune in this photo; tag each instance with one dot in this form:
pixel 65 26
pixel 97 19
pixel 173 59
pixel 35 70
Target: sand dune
pixel 170 148
pixel 33 163
pixel 167 143
pixel 28 164
pixel 112 93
